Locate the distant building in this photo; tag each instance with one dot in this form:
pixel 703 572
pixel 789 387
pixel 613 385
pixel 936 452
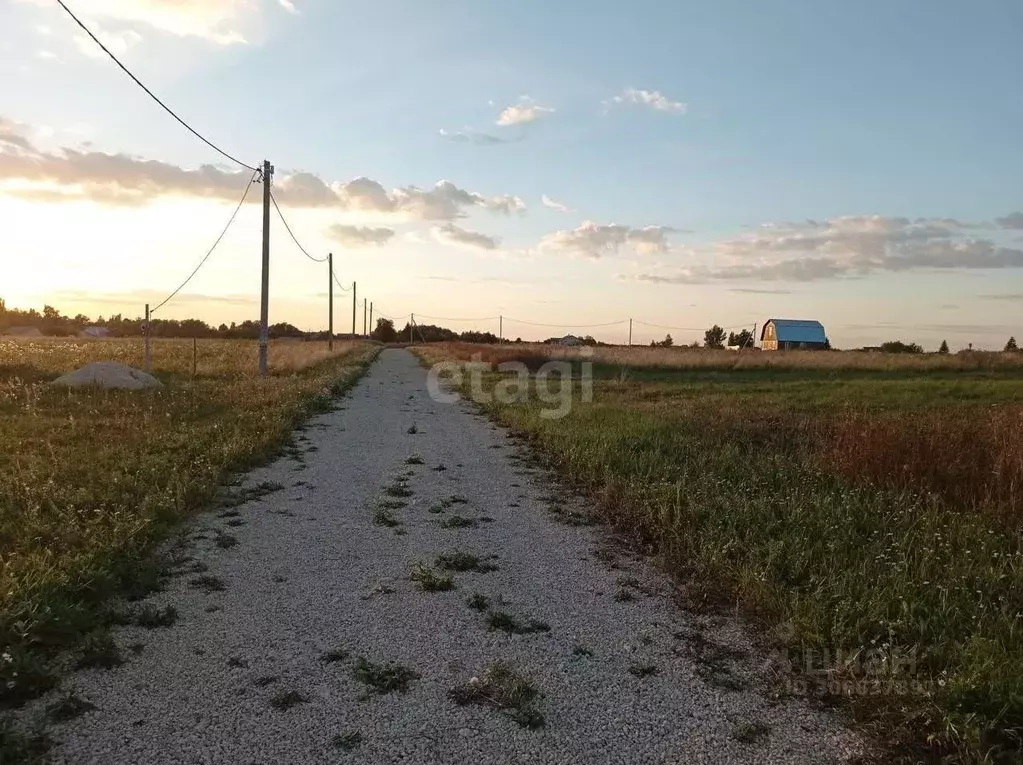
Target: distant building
pixel 793 334
pixel 570 340
pixel 94 332
pixel 23 332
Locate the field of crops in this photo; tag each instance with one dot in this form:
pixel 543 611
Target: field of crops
pixel 91 479
pixel 864 508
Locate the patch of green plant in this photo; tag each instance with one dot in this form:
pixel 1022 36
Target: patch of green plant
pixel 502 620
pixel 208 583
pixel 347 741
pixel 458 522
pixel 478 601
pixel 429 580
pixel 414 459
pixel 152 617
pixel 18 745
pixel 334 655
pixel 99 651
pixel 68 707
pixel 503 689
pixel 463 562
pixel 384 678
pixel 282 701
pixel 643 670
pixel 383 517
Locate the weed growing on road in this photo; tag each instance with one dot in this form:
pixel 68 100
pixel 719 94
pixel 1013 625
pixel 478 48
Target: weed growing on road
pixel 414 459
pixel 581 650
pixel 478 601
pixel 458 499
pixel 392 504
pixel 282 701
pixel 99 651
pixel 384 678
pixel 458 522
pixel 383 517
pixel 265 680
pixel 624 595
pixel 643 670
pixel 429 580
pixel 208 583
pixel 347 741
pixel 68 707
pixel 502 620
pixel 236 662
pixel 152 617
pixel 23 746
pixel 502 688
pixel 224 540
pixel 750 732
pixel 462 562
pixel 398 489
pixel 412 429
pixel 334 655
pixel 441 468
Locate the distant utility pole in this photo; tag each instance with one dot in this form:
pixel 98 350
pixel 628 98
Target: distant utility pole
pixel 630 332
pixel 355 303
pixel 411 323
pixel 500 329
pixel 147 333
pixel 371 318
pixel 264 300
pixel 330 298
pixel 365 308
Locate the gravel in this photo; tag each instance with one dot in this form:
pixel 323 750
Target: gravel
pixel 264 671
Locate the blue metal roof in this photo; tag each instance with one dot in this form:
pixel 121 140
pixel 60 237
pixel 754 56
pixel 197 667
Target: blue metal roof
pixel 798 331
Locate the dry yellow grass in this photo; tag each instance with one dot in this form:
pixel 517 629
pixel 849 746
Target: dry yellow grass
pixel 705 358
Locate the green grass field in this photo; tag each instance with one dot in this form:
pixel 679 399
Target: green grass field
pixel 90 480
pixel 867 518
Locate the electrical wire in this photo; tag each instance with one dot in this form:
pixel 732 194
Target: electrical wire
pixel 685 329
pixel 343 288
pixel 152 95
pixel 566 326
pixel 448 318
pixel 291 233
pixel 219 238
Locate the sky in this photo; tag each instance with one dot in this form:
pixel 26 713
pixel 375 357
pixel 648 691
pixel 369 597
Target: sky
pixel 563 165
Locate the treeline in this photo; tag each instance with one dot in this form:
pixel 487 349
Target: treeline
pixel 53 323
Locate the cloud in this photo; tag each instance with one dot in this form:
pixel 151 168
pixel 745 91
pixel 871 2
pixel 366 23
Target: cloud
pixel 847 246
pixel 1012 220
pixel 288 6
pixel 522 113
pixel 652 99
pixel 119 179
pixel 214 20
pixel 474 137
pixel 1015 297
pixel 593 240
pixel 360 236
pixel 449 233
pixel 751 291
pixel 119 42
pixel 554 205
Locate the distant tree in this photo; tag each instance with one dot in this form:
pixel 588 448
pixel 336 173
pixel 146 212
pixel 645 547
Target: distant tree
pixel 667 342
pixel 742 339
pixel 714 337
pixel 897 346
pixel 1011 345
pixel 385 332
pixel 944 347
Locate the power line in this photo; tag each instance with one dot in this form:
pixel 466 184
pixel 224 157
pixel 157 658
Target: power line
pixel 448 318
pixel 152 95
pixel 219 238
pixel 291 233
pixel 686 329
pixel 567 326
pixel 343 288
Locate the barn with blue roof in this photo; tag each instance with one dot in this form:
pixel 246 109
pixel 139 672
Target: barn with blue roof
pixel 793 334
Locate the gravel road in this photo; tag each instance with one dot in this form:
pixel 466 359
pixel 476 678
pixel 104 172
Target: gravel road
pixel 263 662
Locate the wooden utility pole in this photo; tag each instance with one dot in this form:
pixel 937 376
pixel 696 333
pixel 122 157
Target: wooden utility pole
pixel 500 329
pixel 148 333
pixel 630 332
pixel 264 299
pixel 411 323
pixel 355 303
pixel 365 308
pixel 330 299
pixel 371 318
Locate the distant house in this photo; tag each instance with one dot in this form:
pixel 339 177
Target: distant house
pixel 23 332
pixel 793 334
pixel 94 332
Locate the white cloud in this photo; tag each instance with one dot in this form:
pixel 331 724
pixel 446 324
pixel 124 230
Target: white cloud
pixel 216 20
pixel 288 6
pixel 554 205
pixel 653 99
pixel 842 247
pixel 522 113
pixel 360 236
pixel 119 43
pixel 594 240
pixel 1012 220
pixel 449 233
pixel 119 179
pixel 48 55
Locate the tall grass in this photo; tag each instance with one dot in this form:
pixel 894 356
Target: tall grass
pixel 853 517
pixel 640 357
pixel 90 479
